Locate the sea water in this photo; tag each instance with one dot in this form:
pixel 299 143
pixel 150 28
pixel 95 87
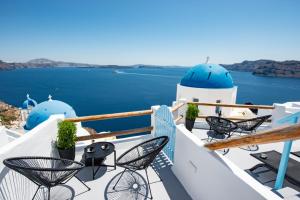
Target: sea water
pixel 92 91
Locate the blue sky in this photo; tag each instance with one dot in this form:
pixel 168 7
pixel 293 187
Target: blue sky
pixel 178 32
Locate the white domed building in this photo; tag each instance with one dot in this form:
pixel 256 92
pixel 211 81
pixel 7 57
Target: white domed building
pixel 208 83
pixel 42 111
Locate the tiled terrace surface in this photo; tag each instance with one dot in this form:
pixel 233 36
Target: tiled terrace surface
pixel 102 186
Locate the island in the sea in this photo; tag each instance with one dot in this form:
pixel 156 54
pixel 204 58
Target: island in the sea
pixel 289 68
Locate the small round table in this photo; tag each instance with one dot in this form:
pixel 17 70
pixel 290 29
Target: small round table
pixel 96 153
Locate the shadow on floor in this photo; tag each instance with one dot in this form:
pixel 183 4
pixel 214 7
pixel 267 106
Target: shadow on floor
pixel 86 174
pixel 60 192
pixel 14 186
pixel 132 186
pixel 267 177
pixel 162 166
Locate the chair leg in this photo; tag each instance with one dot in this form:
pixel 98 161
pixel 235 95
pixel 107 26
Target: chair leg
pixel 119 179
pixel 83 183
pixel 36 192
pixel 148 184
pixel 49 193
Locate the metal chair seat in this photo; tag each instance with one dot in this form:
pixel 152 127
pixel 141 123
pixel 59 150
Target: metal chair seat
pixel 141 156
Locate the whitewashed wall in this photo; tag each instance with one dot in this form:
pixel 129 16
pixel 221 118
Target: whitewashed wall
pixel 205 175
pixel 37 142
pixel 283 110
pixel 208 96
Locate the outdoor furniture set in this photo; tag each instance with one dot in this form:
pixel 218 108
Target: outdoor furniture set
pixel 224 128
pixel 49 172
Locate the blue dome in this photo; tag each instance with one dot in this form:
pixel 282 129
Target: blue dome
pixel 44 110
pixel 207 76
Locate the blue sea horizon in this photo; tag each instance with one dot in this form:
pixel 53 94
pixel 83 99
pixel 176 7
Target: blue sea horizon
pixel 92 91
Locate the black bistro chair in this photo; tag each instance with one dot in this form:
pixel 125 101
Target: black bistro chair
pixel 222 129
pixel 45 171
pixel 221 125
pixel 141 156
pixel 249 126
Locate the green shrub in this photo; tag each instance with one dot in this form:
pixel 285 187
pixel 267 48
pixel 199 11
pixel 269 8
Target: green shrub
pixel 66 136
pixel 192 112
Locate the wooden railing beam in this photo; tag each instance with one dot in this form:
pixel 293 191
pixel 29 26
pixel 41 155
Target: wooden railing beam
pixel 110 116
pixel 233 105
pixel 178 118
pixel 270 136
pixel 116 133
pixel 230 118
pixel 177 107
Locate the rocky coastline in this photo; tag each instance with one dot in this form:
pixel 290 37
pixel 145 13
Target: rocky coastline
pixel 10 116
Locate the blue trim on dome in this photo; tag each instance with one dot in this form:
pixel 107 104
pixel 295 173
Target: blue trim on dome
pixel 44 110
pixel 207 76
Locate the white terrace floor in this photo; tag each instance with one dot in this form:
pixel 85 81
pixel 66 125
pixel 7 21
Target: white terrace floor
pixel 102 186
pixel 242 158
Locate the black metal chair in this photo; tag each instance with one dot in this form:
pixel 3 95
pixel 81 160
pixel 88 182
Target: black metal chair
pixel 221 125
pixel 45 171
pixel 250 126
pixel 141 156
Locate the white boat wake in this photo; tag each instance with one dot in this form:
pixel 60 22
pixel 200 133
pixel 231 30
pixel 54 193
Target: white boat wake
pixel 143 74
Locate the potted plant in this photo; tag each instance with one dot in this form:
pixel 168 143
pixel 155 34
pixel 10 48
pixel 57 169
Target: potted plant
pixel 66 139
pixel 191 115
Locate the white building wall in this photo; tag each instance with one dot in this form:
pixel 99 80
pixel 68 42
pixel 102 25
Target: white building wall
pixel 36 142
pixel 206 95
pixel 283 110
pixel 208 175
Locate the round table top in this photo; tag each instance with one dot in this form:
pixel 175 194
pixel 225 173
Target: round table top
pixel 99 150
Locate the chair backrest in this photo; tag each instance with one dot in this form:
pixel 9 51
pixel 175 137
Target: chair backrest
pixel 143 154
pixel 252 124
pixel 220 125
pixel 36 163
pixel 45 171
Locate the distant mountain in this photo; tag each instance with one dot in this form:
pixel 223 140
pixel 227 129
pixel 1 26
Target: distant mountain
pixel 289 68
pixel 43 62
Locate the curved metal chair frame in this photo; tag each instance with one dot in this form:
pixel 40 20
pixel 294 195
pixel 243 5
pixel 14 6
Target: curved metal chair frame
pixel 250 125
pixel 45 171
pixel 221 125
pixel 141 156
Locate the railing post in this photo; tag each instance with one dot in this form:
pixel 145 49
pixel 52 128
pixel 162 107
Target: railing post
pixel 284 160
pixel 283 164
